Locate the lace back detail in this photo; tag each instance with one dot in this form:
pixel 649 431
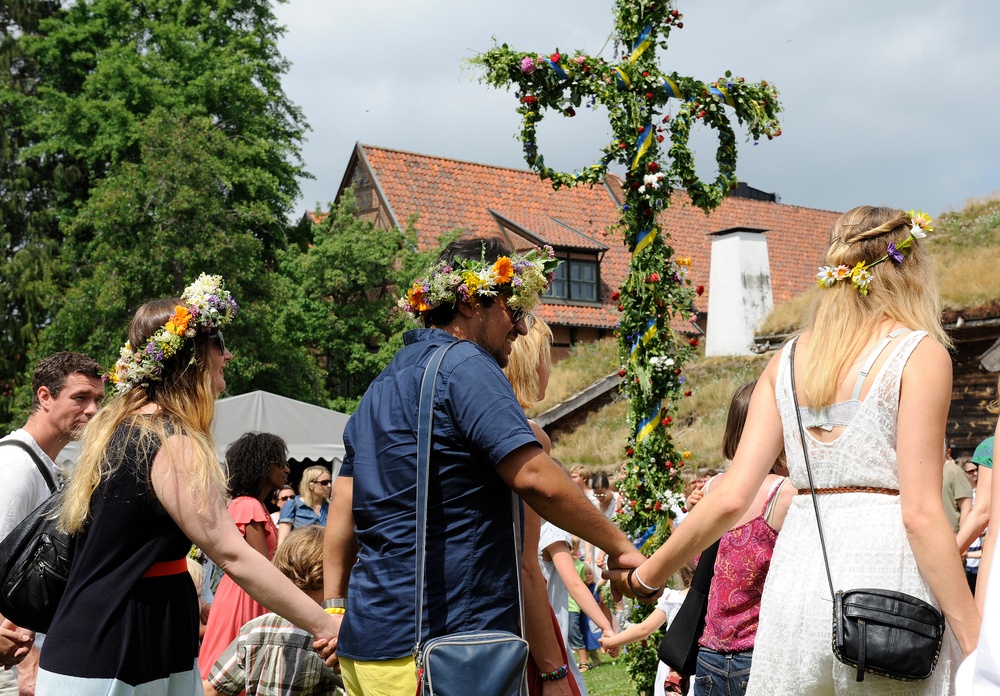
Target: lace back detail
pixel 865 452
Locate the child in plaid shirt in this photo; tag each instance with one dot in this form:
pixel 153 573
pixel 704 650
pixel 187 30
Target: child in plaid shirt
pixel 271 656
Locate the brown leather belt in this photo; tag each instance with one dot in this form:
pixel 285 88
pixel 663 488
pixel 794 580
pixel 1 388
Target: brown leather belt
pixel 851 489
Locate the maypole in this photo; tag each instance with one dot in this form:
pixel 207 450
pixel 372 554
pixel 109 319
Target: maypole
pixel 657 295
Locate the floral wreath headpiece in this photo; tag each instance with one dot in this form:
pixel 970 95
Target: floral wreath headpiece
pixel 522 279
pixel 207 307
pixel 860 276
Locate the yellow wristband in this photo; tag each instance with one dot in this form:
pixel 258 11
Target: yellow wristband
pixel 335 610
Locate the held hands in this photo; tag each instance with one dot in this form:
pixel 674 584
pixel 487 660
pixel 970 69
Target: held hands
pixel 627 582
pixel 15 643
pixel 325 643
pixel 609 643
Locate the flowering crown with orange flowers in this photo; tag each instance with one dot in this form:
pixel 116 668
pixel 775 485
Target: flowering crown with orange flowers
pixel 861 275
pixel 522 279
pixel 207 307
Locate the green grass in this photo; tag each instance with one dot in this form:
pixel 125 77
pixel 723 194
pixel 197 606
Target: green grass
pixel 610 678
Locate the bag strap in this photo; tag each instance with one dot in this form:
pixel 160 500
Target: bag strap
pixel 425 419
pixel 805 455
pixel 42 469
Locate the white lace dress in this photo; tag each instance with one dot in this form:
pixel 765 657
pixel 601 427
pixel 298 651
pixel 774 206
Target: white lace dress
pixel 867 547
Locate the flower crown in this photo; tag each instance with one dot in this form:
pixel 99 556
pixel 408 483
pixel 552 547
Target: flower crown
pixel 860 276
pixel 521 278
pixel 207 307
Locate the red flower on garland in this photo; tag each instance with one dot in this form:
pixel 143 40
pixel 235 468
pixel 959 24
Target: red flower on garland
pixel 615 295
pixel 653 278
pixel 556 57
pixel 693 342
pixel 700 290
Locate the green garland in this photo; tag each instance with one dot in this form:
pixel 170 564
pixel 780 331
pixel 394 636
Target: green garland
pixel 657 290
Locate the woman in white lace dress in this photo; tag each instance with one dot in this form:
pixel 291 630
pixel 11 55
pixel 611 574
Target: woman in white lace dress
pixel 873 370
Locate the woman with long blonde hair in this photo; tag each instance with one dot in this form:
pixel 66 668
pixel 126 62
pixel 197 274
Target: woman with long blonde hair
pixel 149 483
pixel 874 386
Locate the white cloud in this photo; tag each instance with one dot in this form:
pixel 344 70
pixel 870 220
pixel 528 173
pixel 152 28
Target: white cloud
pixel 886 102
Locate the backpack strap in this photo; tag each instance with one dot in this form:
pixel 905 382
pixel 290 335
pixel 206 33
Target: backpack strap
pixel 42 469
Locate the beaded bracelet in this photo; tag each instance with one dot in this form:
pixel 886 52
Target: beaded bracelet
pixel 554 674
pixel 640 595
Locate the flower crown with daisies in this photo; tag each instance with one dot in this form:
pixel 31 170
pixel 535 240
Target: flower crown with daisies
pixel 522 279
pixel 861 276
pixel 207 307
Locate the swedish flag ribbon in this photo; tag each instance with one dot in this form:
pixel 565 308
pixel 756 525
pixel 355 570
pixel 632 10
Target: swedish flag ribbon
pixel 642 144
pixel 644 537
pixel 622 78
pixel 721 92
pixel 672 89
pixel 644 239
pixel 641 43
pixel 649 425
pixel 645 338
pixel 559 70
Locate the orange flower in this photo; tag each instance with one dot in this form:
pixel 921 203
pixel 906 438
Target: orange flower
pixel 178 323
pixel 416 297
pixel 503 270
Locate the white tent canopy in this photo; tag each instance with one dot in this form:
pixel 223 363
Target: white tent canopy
pixel 311 432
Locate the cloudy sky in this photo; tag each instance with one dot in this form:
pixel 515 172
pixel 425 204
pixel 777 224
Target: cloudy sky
pixel 886 101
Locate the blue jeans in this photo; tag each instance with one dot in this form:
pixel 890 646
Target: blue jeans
pixel 722 674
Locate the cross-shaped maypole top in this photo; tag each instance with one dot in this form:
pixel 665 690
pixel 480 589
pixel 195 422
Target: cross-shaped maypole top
pixel 657 290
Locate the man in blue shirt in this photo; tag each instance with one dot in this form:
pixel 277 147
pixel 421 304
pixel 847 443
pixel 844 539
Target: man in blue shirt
pixel 482 448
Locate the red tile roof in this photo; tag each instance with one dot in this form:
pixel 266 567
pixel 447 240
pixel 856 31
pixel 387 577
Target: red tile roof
pixel 481 199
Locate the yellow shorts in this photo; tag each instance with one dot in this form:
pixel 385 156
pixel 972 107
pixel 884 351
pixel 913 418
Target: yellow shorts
pixel 382 678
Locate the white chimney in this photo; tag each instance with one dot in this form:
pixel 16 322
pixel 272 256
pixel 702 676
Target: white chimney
pixel 739 290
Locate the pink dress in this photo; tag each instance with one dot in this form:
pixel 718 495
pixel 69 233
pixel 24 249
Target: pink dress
pixel 232 606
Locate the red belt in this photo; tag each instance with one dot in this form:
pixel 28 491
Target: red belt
pixel 167 568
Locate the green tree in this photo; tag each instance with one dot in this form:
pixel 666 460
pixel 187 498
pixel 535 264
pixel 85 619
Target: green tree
pixel 346 285
pixel 145 142
pixel 29 233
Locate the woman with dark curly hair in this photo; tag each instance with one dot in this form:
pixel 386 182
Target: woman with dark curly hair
pixel 258 464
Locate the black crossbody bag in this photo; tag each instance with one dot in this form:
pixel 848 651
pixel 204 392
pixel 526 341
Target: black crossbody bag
pixel 486 663
pixel 883 632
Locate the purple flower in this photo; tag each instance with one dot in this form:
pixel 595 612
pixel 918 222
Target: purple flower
pixel 527 65
pixel 894 253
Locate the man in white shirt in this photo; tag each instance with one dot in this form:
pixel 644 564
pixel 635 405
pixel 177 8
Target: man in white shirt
pixel 66 392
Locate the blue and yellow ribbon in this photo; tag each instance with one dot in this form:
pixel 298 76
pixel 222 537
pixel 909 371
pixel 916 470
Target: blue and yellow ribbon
pixel 645 338
pixel 649 425
pixel 644 239
pixel 642 144
pixel 559 70
pixel 721 92
pixel 644 537
pixel 622 78
pixel 672 89
pixel 641 43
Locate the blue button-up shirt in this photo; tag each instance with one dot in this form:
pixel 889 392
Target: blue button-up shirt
pixel 470 581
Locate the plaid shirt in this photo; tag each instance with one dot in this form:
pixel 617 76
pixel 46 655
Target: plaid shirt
pixel 272 657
